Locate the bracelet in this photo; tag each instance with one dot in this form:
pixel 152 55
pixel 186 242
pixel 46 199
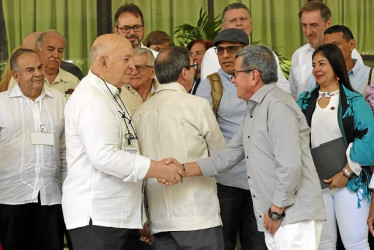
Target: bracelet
pixel 184 170
pixel 346 173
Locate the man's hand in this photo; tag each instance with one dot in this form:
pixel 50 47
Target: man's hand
pixel 273 225
pixel 370 220
pixel 168 169
pixel 146 235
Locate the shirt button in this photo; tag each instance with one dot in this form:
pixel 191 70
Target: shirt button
pixel 251 116
pixel 247 157
pixel 260 216
pixel 249 177
pixel 248 136
pixel 254 196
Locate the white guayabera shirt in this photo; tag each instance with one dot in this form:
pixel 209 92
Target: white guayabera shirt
pixel 32 147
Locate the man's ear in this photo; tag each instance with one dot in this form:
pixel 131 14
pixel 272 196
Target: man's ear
pixel 15 75
pixel 153 75
pixel 256 76
pixel 103 62
pixel 116 30
pixel 352 44
pixel 183 74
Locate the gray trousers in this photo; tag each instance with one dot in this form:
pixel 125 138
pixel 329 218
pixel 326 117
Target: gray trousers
pixel 99 238
pixel 204 239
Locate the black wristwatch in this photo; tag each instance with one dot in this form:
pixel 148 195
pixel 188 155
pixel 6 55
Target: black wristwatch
pixel 275 216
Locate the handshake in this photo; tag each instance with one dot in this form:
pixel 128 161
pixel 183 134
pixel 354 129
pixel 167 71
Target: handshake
pixel 169 171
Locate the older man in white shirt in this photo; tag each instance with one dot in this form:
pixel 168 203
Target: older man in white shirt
pixel 102 195
pixel 32 158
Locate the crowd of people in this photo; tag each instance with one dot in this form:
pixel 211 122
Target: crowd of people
pixel 207 146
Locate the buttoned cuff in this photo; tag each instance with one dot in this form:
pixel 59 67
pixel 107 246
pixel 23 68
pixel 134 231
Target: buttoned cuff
pixel 284 199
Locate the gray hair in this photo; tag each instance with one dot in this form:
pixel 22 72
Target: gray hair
pixel 234 6
pixel 170 62
pixel 16 54
pixel 261 58
pixel 39 41
pixel 147 52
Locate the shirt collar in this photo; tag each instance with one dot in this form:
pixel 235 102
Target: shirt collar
pixel 99 82
pixel 155 83
pixel 59 78
pixel 226 75
pixel 261 93
pixel 174 86
pixel 355 68
pixel 309 49
pixel 16 92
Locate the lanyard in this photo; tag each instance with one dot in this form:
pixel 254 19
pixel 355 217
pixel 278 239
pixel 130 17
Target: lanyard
pixel 130 135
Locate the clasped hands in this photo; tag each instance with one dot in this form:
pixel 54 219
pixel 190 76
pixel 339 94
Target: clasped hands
pixel 171 172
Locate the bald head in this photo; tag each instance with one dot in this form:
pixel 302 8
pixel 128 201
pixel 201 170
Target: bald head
pixel 111 59
pixel 30 40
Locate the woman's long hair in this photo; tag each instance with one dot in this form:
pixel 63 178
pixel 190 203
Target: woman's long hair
pixel 335 57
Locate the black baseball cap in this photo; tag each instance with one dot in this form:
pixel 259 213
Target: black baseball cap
pixel 231 35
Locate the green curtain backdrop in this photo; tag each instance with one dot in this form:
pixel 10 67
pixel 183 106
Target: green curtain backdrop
pixel 275 22
pixel 74 19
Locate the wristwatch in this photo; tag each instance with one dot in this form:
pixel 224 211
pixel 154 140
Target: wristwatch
pixel 275 215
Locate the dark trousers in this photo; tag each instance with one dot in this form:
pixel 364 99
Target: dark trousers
pixel 204 239
pixel 99 238
pixel 134 243
pixel 237 216
pixel 31 226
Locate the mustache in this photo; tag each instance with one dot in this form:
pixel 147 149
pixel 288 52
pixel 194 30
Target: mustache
pixel 132 36
pixel 54 59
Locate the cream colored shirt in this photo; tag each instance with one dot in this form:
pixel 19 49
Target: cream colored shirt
pixel 64 82
pixel 131 97
pixel 176 124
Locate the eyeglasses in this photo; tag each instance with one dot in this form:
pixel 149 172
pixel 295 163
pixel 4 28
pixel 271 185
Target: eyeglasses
pixel 126 29
pixel 230 49
pixel 247 71
pixel 195 65
pixel 141 67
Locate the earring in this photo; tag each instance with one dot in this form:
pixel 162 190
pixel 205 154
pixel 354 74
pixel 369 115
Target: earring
pixel 337 79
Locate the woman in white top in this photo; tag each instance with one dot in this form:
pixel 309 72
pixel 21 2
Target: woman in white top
pixel 342 142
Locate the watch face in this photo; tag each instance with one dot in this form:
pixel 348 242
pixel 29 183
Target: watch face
pixel 274 215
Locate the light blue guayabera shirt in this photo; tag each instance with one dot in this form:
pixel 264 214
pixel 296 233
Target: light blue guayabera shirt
pixel 358 76
pixel 230 115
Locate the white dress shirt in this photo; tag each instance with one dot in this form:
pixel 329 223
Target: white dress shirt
pixel 210 65
pixel 105 175
pixel 29 167
pixel 301 69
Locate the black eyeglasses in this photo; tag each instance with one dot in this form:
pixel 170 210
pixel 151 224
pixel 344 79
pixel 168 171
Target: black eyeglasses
pixel 247 71
pixel 126 29
pixel 230 49
pixel 195 65
pixel 141 67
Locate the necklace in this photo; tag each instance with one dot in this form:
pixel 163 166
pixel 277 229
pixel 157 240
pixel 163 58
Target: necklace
pixel 328 94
